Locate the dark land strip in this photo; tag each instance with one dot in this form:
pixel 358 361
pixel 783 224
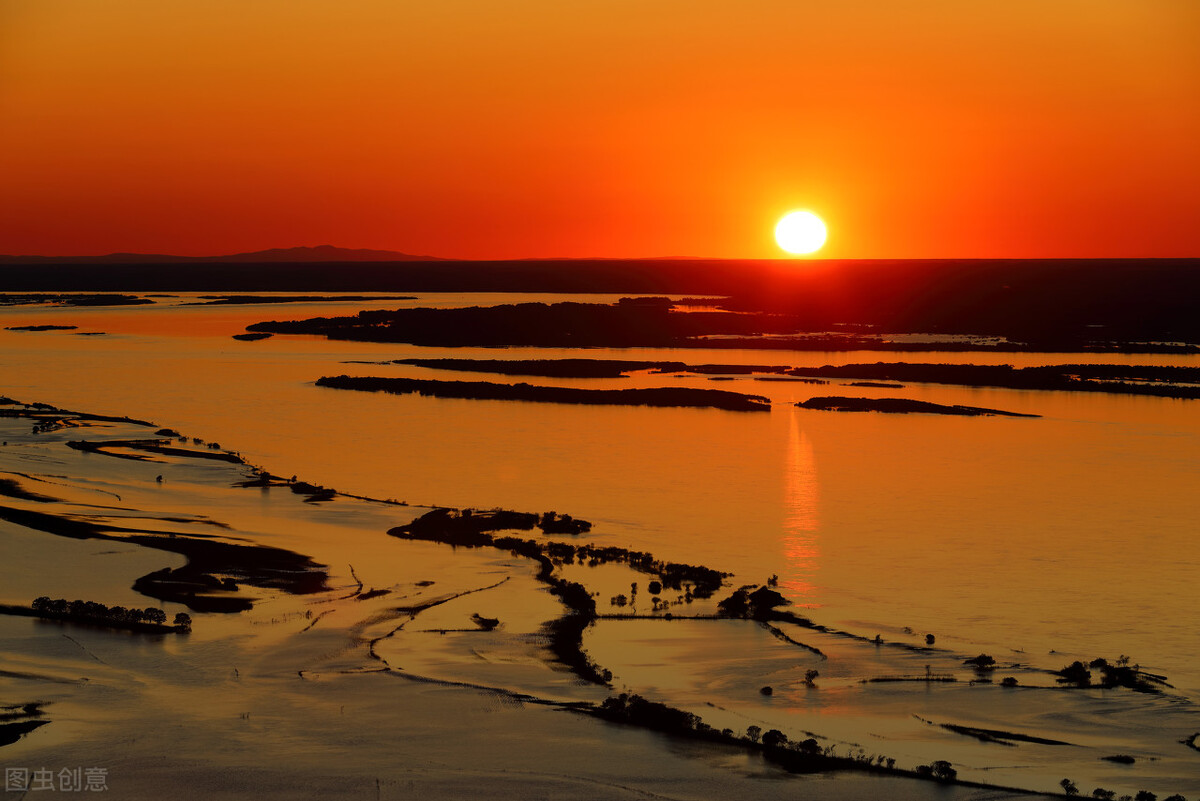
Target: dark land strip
pixel 1061 304
pixel 796 323
pixel 57 299
pixel 900 406
pixel 550 368
pixel 1170 381
pixel 90 613
pixel 155 446
pixel 17 720
pixel 215 568
pixel 209 581
pixel 992 735
pixel 235 300
pixel 46 327
pixel 482 390
pixel 1157 380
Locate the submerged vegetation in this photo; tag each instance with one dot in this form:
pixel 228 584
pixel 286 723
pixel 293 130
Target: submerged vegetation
pixel 472 529
pixel 212 575
pixel 802 756
pixel 1116 674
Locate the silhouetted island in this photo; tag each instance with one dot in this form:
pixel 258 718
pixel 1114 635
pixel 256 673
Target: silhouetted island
pixel 235 300
pixel 1155 380
pixel 211 578
pixel 1118 674
pixel 40 327
pixel 630 322
pixel 164 447
pixel 569 324
pixel 835 403
pixel 17 720
pixel 1125 379
pixel 595 368
pixel 209 581
pixel 482 390
pixel 57 299
pixel 554 368
pixel 467 528
pixel 1044 305
pixel 148 621
pixel 998 305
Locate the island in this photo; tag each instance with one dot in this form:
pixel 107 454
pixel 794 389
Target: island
pixel 554 368
pixel 482 390
pixel 1169 381
pixel 834 403
pixel 92 613
pixel 233 300
pixel 67 299
pixel 46 327
pixel 759 323
pixel 1165 381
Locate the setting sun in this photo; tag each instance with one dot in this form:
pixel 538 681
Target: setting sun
pixel 800 232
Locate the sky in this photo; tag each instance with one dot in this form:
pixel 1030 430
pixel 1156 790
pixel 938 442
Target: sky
pixel 605 128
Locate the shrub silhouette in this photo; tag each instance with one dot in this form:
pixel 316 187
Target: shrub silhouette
pixel 774 738
pixel 1075 673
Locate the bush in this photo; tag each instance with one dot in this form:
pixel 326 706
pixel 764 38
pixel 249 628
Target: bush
pixel 1075 673
pixel 941 770
pixel 981 662
pixel 774 738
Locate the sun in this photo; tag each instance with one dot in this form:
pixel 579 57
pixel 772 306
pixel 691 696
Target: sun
pixel 800 232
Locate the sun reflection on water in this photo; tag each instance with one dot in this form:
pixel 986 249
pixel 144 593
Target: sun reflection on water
pixel 800 516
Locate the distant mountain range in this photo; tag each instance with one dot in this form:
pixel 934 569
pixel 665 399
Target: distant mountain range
pixel 320 253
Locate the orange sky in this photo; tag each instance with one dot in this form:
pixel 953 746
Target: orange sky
pixel 480 129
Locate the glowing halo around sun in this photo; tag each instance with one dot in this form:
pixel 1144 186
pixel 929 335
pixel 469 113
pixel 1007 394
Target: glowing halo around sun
pixel 800 232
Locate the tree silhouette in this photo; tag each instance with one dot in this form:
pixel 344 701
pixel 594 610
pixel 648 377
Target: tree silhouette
pixel 774 738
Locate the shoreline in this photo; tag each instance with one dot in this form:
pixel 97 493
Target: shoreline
pixel 572 598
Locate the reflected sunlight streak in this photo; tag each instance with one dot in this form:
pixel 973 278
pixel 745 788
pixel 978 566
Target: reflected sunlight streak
pixel 800 521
